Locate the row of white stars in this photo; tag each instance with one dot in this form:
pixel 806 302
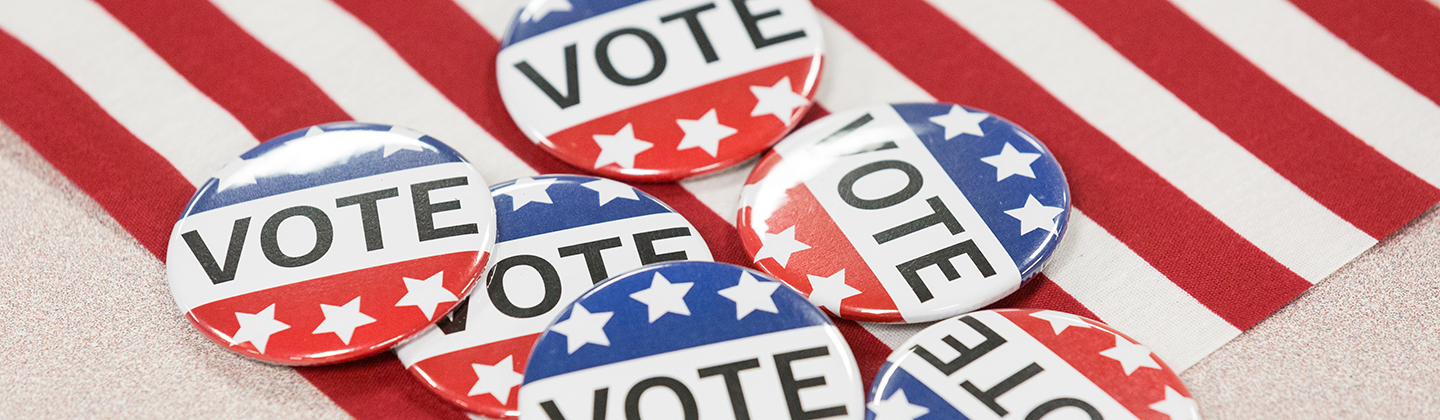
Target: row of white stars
pixel 705 133
pixel 342 320
pixel 1130 355
pixel 531 190
pixel 242 172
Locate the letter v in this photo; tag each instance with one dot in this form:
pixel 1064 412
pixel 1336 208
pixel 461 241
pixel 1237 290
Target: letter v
pixel 572 80
pixel 232 254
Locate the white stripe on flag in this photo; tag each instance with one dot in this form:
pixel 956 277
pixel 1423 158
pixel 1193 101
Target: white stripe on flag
pixel 1124 290
pixel 1334 78
pixel 132 83
pixel 1082 71
pixel 362 74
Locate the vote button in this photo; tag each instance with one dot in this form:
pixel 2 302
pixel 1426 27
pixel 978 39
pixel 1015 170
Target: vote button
pixel 659 90
pixel 905 213
pixel 559 235
pixel 330 243
pixel 1025 363
pixel 677 339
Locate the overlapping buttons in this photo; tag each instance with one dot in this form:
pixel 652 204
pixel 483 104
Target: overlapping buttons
pixel 558 236
pixel 659 90
pixel 677 339
pixel 1021 363
pixel 330 243
pixel 905 213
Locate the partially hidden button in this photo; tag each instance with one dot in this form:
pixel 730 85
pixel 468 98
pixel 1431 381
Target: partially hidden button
pixel 659 90
pixel 676 339
pixel 330 243
pixel 559 235
pixel 1026 364
pixel 905 212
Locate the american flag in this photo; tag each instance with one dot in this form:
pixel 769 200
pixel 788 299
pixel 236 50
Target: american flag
pixel 1223 155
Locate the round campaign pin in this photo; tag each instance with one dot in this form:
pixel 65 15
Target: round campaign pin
pixel 1025 363
pixel 658 90
pixel 905 213
pixel 676 339
pixel 559 235
pixel 330 243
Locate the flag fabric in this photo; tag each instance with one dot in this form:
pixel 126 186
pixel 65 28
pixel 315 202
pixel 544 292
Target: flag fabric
pixel 1223 156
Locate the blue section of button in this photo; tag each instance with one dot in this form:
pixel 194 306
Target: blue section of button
pixel 712 318
pixel 290 162
pixel 891 379
pixel 556 17
pixel 961 157
pixel 572 205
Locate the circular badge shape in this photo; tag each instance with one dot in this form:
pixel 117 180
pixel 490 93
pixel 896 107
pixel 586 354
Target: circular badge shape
pixel 672 340
pixel 905 213
pixel 559 235
pixel 659 90
pixel 1025 363
pixel 330 243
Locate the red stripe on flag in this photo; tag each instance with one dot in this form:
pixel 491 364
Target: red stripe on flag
pixel 1339 170
pixel 258 87
pixel 378 387
pixel 137 186
pixel 1191 247
pixel 1402 36
pixel 1041 293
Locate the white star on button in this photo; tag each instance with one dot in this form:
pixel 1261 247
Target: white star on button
pixel 537 10
pixel 1011 162
pixel 528 190
pixel 257 328
pixel 777 100
pixel 343 320
pixel 620 148
pixel 704 133
pixel 1176 406
pixel 664 297
pixel 779 246
pixel 496 380
pixel 1059 321
pixel 751 295
pixel 610 190
pixel 234 174
pixel 426 294
pixel 1130 355
pixel 897 407
pixel 394 146
pixel 583 327
pixel 1035 216
pixel 827 292
pixel 959 121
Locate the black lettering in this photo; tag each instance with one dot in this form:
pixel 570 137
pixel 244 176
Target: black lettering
pixel 731 373
pixel 791 387
pixel 692 19
pixel 270 242
pixel 232 254
pixel 593 260
pixel 988 396
pixel 455 321
pixel 495 286
pixel 1057 403
pixel 752 26
pixel 597 412
pixel 940 214
pixel 369 214
pixel 910 269
pixel 572 80
pixel 687 400
pixel 425 210
pixel 966 354
pixel 912 185
pixel 645 245
pixel 657 54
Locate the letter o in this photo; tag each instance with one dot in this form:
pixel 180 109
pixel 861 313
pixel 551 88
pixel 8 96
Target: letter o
pixel 687 400
pixel 657 53
pixel 270 242
pixel 912 185
pixel 495 286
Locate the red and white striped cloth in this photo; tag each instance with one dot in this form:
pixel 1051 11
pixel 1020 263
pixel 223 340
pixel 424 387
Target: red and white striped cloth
pixel 1224 155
